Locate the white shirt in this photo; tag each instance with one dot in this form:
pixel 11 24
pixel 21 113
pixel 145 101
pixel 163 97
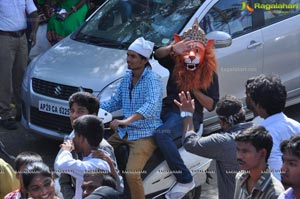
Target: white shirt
pixel 288 194
pixel 281 128
pixel 70 137
pixel 13 14
pixel 257 120
pixel 103 144
pixel 76 168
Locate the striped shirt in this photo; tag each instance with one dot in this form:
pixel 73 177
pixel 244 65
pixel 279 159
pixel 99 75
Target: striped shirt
pixel 144 98
pixel 267 187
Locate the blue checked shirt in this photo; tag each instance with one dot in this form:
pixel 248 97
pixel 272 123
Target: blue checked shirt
pixel 144 98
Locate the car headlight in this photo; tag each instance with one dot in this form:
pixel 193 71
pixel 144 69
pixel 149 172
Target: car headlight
pixel 109 91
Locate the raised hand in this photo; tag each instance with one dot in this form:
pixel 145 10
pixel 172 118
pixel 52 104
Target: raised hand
pixel 186 102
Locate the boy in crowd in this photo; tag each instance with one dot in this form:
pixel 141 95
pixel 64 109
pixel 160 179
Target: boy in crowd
pixel 100 182
pixel 219 146
pixel 255 180
pixel 290 169
pixel 140 98
pixel 196 74
pixel 84 103
pixel 88 135
pixel 266 95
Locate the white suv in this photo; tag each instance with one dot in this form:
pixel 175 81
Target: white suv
pixel 93 59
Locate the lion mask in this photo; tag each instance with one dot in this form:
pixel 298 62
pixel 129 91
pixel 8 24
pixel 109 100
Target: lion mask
pixel 195 69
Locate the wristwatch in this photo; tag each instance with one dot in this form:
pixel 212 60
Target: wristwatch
pixel 186 114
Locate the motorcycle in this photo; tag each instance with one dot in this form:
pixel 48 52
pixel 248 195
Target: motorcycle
pixel 156 175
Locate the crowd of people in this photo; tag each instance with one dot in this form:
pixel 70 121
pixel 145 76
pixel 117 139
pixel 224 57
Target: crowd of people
pixel 64 17
pixel 18 34
pixel 252 161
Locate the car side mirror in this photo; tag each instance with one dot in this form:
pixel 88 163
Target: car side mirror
pixel 222 39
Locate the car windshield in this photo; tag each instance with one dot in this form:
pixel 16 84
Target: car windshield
pixel 120 22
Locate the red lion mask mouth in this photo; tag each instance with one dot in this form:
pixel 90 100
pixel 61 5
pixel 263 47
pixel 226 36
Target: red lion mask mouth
pixel 195 57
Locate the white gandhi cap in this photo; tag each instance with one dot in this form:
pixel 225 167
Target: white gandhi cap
pixel 142 47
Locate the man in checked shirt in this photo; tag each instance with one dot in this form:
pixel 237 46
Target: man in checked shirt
pixel 140 97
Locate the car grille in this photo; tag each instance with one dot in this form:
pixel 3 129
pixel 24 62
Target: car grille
pixel 50 121
pixel 55 90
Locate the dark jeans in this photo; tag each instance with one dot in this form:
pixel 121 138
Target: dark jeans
pixel 164 135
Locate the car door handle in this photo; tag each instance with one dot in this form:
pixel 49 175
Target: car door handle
pixel 253 44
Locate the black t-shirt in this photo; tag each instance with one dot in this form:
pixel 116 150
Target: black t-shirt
pixel 172 92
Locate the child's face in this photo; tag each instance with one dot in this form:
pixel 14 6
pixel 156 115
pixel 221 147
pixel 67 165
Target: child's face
pixel 77 111
pixel 90 183
pixel 41 187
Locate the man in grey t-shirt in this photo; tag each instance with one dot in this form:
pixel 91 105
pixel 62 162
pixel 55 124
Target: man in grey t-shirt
pixel 220 146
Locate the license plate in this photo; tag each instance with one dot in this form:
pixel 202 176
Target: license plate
pixel 53 108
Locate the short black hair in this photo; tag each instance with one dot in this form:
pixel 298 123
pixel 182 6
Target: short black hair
pixel 291 145
pixel 26 157
pixel 106 177
pixel 248 84
pixel 85 99
pixel 268 92
pixel 33 169
pixel 230 109
pixel 259 137
pixel 91 127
